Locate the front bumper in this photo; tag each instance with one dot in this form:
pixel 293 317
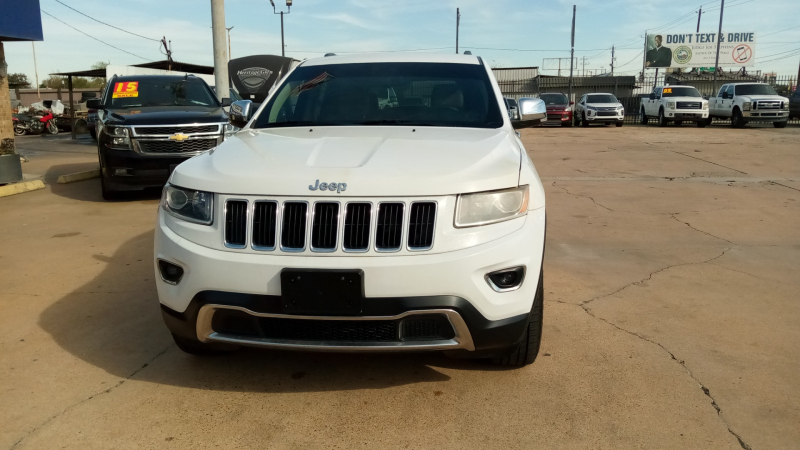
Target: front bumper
pixel 128 170
pixel 686 115
pixel 451 284
pixel 766 115
pixel 592 116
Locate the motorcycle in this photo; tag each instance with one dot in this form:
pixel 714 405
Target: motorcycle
pixel 26 124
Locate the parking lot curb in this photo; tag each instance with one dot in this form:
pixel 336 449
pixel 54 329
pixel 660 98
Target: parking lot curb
pixel 79 176
pixel 19 188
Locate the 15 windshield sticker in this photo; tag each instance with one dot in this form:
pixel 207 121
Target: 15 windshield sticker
pixel 126 89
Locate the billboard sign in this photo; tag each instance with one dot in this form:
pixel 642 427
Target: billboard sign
pixel 699 50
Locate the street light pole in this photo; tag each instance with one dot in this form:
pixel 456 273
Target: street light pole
pixel 719 38
pixel 229 42
pixel 458 22
pixel 218 34
pixel 289 9
pixel 571 53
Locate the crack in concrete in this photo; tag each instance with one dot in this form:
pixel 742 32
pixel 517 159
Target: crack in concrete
pixel 682 363
pixel 696 229
pixel 789 187
pixel 105 391
pixel 583 196
pixel 707 161
pixel 754 276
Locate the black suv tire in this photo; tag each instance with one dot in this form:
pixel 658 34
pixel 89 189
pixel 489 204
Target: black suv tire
pixel 526 351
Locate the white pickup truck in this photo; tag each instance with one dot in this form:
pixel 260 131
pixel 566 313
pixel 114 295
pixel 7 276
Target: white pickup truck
pixel 674 104
pixel 750 102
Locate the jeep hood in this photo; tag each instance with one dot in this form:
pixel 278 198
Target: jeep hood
pixel 373 161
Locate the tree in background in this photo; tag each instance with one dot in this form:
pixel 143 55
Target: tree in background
pixel 18 80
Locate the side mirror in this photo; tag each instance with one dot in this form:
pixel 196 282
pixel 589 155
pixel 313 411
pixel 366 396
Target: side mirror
pixel 94 103
pixel 226 101
pixel 241 113
pixel 571 103
pixel 705 97
pixel 532 111
pixel 652 96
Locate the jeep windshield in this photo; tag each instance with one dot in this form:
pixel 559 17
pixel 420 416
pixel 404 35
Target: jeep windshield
pixel 390 94
pixel 681 92
pixel 755 89
pixel 154 92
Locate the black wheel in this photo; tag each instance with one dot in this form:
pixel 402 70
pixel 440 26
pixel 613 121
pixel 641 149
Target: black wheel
pixel 526 351
pixel 584 123
pixel 662 121
pixel 678 122
pixel 93 134
pixel 566 123
pixel 701 123
pixel 607 124
pixel 619 124
pixel 195 347
pixel 108 194
pixel 643 117
pixel 780 124
pixel 577 119
pixel 737 120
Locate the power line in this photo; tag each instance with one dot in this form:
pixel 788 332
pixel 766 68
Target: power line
pixel 776 32
pixel 98 40
pixel 108 25
pixel 781 53
pixel 634 59
pixel 373 51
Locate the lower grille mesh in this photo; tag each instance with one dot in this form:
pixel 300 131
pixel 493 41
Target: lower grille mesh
pixel 188 146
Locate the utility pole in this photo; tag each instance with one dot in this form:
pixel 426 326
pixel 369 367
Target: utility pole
pixel 719 38
pixel 612 60
pixel 36 72
pixel 583 62
pixel 289 6
pixel 167 50
pixel 699 13
pixel 571 53
pixel 458 22
pixel 644 56
pixel 220 62
pixel 229 42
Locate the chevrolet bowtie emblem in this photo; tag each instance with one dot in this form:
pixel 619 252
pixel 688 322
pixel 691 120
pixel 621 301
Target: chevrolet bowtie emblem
pixel 178 137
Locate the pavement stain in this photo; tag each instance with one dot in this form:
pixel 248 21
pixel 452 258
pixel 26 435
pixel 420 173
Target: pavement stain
pixel 63 235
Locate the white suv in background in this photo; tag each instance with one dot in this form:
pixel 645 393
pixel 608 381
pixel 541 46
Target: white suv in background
pixel 674 104
pixel 599 108
pixel 334 222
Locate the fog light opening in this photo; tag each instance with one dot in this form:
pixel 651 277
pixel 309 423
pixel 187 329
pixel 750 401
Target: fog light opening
pixel 505 280
pixel 170 273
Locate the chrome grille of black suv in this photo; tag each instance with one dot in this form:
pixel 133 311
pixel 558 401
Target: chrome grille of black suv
pixel 293 225
pixel 236 223
pixel 389 227
pixel 264 225
pixel 325 226
pixel 357 219
pixel 420 225
pixel 177 129
pixel 187 146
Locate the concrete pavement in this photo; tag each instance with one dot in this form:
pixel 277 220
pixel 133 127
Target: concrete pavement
pixel 670 319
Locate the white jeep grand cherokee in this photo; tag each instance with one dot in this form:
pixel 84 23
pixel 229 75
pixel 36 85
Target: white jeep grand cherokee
pixel 338 220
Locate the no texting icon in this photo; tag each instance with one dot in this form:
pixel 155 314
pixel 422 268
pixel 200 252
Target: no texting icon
pixel 742 53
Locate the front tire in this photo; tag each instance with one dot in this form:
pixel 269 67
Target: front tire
pixel 51 127
pixel 526 351
pixel 567 123
pixel 108 193
pixel 643 120
pixel 701 123
pixel 584 123
pixel 662 121
pixel 619 124
pixel 780 124
pixel 737 120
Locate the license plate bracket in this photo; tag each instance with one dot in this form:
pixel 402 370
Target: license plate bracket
pixel 322 292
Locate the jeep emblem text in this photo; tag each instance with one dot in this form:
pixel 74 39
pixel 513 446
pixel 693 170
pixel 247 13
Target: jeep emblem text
pixel 338 187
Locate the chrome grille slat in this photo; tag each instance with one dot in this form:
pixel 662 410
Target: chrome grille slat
pixel 357 221
pixel 325 226
pixel 167 146
pixel 293 226
pixel 184 129
pixel 421 225
pixel 236 223
pixel 264 225
pixel 389 226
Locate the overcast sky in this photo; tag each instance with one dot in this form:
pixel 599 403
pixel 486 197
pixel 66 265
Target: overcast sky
pixel 315 27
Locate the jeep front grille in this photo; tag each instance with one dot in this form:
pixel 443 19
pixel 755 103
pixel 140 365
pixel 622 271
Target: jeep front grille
pixel 421 225
pixel 325 226
pixel 236 223
pixel 389 229
pixel 264 225
pixel 357 220
pixel 293 228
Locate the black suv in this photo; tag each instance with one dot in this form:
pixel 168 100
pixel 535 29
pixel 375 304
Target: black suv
pixel 148 124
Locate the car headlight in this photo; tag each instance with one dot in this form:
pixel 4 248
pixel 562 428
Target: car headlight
pixel 705 105
pixel 593 108
pixel 118 137
pixel 568 109
pixel 188 204
pixel 747 105
pixel 670 105
pixel 483 208
pixel 785 106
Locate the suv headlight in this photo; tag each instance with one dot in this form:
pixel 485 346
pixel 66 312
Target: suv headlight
pixel 785 106
pixel 670 105
pixel 118 137
pixel 746 106
pixel 188 204
pixel 483 208
pixel 705 106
